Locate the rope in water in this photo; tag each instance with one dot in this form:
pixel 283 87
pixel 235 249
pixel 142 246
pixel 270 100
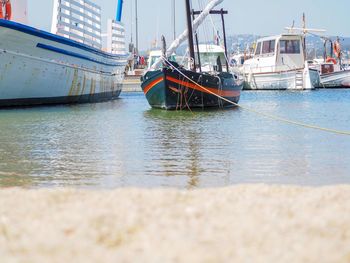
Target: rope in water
pixel 270 116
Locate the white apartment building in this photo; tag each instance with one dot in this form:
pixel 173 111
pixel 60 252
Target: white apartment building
pixel 79 20
pixel 115 37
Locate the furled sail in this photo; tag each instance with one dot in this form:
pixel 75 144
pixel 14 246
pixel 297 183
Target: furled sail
pixel 183 37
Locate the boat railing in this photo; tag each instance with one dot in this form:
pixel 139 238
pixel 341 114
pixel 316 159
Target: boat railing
pixel 272 69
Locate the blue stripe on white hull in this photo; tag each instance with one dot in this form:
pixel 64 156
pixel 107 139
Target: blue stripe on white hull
pixel 35 68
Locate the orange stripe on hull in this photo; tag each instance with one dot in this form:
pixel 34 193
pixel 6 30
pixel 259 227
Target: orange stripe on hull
pixel 152 84
pixel 222 93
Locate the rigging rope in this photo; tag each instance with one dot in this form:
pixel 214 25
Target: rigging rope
pixel 270 116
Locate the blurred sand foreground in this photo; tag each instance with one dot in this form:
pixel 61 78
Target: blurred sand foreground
pixel 248 223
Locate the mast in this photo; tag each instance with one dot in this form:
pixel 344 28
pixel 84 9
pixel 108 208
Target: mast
pixel 190 34
pixel 181 38
pixel 137 28
pixel 132 24
pixel 197 45
pixel 173 13
pixel 304 36
pixel 224 32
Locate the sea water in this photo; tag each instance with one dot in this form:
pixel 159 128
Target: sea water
pixel 125 143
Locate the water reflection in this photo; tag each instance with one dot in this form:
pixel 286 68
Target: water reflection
pixel 178 138
pixel 125 143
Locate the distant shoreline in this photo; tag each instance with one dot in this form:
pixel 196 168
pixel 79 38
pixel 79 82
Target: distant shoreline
pixel 243 223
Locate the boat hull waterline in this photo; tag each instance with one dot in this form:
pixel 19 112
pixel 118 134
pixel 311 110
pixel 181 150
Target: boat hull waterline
pixel 37 67
pixel 338 79
pixel 168 89
pixel 287 80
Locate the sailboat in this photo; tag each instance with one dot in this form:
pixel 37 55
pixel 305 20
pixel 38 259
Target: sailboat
pixel 174 87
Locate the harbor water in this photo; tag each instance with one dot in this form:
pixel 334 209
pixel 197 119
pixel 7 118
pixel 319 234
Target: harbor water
pixel 125 143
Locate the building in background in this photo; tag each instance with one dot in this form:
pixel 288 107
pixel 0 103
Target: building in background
pixel 79 20
pixel 115 37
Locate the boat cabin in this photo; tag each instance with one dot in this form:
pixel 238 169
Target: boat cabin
pixel 210 55
pixel 154 55
pixel 276 54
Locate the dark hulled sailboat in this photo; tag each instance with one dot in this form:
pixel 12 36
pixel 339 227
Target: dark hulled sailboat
pixel 173 87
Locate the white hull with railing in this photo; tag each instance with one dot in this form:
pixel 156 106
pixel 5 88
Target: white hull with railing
pixel 331 75
pixel 336 79
pixel 280 78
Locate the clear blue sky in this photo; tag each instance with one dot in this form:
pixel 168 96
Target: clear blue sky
pixel 261 17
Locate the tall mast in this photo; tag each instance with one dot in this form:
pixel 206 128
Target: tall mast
pixel 197 44
pixel 190 33
pixel 132 24
pixel 137 28
pixel 225 41
pixel 173 13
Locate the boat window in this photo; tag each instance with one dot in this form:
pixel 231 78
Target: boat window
pixel 290 46
pixel 258 49
pixel 152 60
pixel 268 47
pixel 210 58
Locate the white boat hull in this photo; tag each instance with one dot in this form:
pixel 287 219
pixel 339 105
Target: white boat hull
pixel 37 67
pixel 286 80
pixel 336 79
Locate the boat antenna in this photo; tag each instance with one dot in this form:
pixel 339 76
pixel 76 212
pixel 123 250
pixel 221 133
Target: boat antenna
pixel 292 27
pixel 190 34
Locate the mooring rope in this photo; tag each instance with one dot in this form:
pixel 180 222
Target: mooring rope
pixel 270 116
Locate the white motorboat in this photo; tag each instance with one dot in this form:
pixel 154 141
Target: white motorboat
pixel 333 73
pixel 279 64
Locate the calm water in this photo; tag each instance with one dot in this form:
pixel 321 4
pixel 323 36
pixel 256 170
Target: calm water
pixel 125 143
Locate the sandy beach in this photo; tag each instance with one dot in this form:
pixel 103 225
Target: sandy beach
pixel 246 223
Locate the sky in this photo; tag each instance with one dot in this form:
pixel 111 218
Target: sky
pixel 259 17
